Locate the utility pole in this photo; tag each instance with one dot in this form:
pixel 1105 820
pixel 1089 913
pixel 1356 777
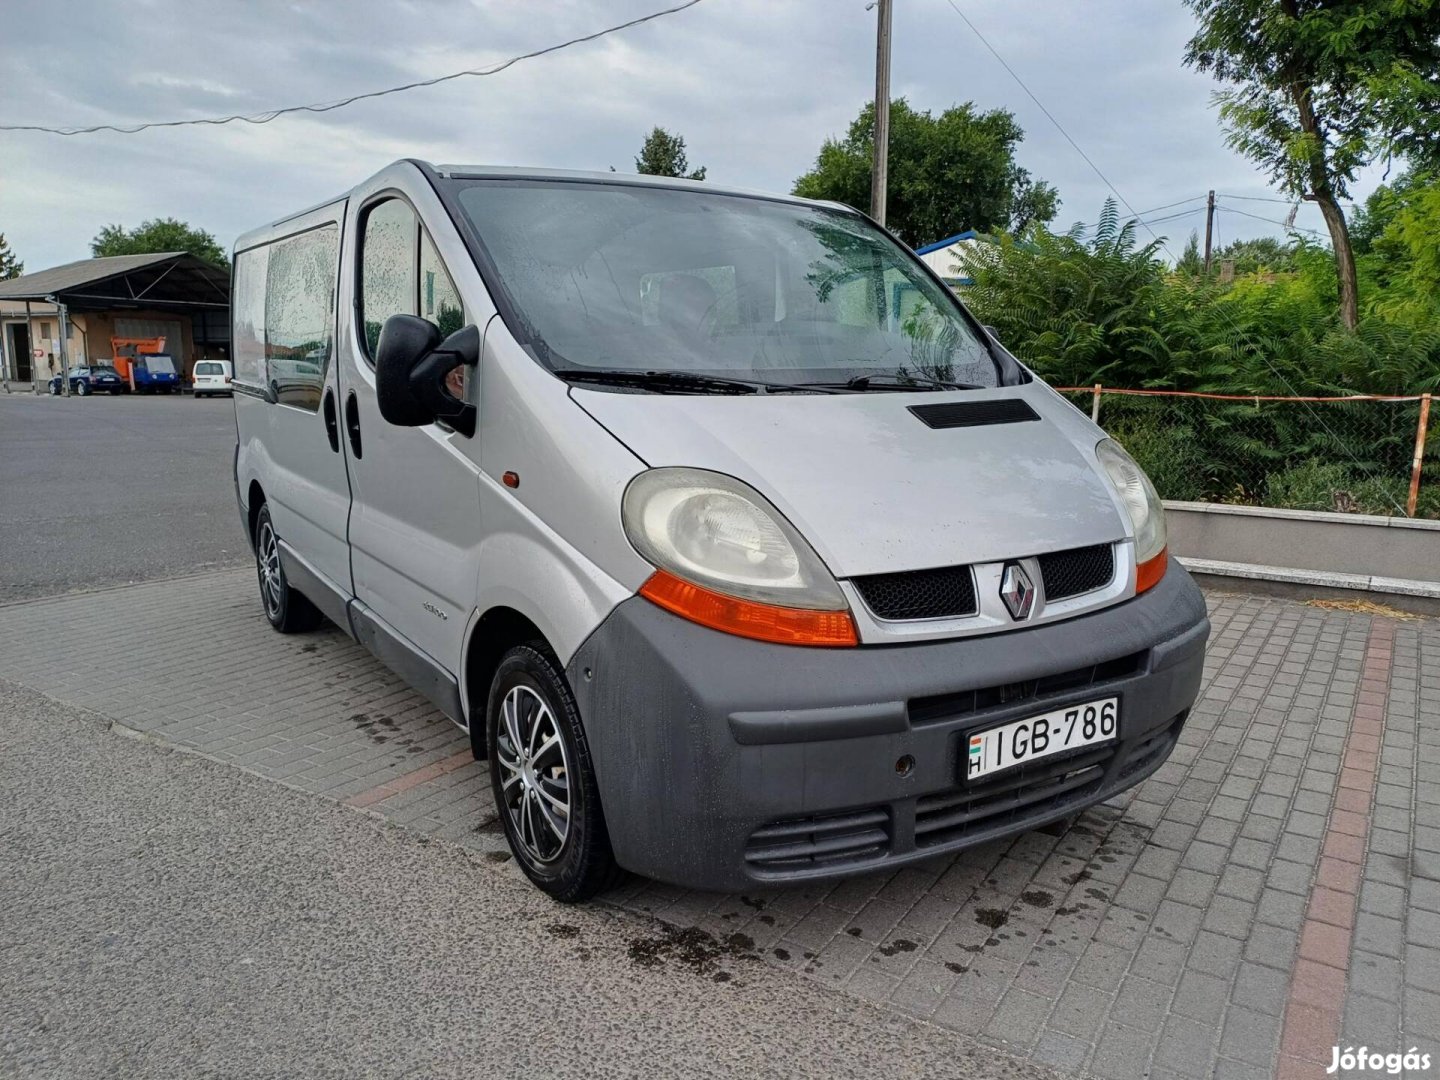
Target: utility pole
pixel 1209 228
pixel 880 166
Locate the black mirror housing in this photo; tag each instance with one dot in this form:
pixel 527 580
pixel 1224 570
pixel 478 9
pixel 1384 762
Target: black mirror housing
pixel 411 363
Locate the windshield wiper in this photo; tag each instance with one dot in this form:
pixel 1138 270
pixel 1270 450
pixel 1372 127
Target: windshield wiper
pixel 678 380
pixel 894 382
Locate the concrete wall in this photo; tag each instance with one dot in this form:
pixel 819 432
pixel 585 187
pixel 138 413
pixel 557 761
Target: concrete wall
pixel 1388 554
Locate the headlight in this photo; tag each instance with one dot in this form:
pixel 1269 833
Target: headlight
pixel 1147 514
pixel 715 531
pixel 729 560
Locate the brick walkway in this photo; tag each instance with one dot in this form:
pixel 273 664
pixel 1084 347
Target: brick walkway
pixel 1278 879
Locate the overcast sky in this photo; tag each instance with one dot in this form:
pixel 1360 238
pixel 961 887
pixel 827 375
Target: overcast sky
pixel 754 86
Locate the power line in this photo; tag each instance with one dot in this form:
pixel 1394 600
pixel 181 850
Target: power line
pixel 1161 240
pixel 1167 206
pixel 1040 105
pixel 1275 199
pixel 323 107
pixel 1272 221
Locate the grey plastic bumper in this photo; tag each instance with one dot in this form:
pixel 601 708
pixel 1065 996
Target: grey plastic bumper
pixel 701 739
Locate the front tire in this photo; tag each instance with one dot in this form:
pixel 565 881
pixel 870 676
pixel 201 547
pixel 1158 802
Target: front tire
pixel 543 778
pixel 288 611
pixel 82 388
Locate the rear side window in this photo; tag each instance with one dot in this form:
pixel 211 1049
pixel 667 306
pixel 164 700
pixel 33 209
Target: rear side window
pixel 401 274
pixel 299 315
pixel 247 302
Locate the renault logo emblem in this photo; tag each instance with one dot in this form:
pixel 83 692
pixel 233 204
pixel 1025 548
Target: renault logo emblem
pixel 1018 591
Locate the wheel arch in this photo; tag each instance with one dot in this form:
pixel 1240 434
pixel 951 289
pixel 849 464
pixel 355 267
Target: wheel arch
pixel 255 495
pixel 490 637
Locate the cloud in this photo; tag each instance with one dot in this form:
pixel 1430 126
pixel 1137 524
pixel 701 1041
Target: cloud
pixel 754 87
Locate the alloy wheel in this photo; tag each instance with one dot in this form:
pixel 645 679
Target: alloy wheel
pixel 267 555
pixel 535 786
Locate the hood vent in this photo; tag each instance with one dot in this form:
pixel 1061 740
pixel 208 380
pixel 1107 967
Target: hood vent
pixel 954 414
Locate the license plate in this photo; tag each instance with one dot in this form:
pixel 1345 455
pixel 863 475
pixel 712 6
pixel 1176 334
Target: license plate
pixel 1009 745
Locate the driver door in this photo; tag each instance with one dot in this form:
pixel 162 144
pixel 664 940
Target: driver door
pixel 415 528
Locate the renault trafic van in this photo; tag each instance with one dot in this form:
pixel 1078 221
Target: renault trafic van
pixel 743 553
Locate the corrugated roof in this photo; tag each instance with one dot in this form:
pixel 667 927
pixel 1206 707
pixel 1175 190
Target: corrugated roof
pixel 167 277
pixel 77 274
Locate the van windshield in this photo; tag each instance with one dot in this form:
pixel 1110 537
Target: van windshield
pixel 629 278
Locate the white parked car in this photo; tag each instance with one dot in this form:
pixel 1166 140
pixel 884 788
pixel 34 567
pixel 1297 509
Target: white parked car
pixel 741 550
pixel 212 377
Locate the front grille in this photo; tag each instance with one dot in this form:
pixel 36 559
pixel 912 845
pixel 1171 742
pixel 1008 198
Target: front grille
pixel 1028 792
pixel 953 414
pixel 938 707
pixel 1077 571
pixel 820 840
pixel 946 593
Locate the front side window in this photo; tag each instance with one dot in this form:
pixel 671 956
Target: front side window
pixel 638 278
pixel 299 315
pixel 439 299
pixel 401 274
pixel 387 267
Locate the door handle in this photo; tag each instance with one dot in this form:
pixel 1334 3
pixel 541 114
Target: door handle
pixel 332 423
pixel 352 423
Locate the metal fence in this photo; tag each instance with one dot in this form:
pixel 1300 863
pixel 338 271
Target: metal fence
pixel 1361 454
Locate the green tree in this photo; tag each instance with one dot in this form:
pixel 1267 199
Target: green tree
pixel 663 154
pixel 1257 254
pixel 10 266
pixel 947 173
pixel 1317 90
pixel 1191 262
pixel 157 235
pixel 1372 217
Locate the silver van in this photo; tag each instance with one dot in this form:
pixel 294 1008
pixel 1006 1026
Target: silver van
pixel 744 554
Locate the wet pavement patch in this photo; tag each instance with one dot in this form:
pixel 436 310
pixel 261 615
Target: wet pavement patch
pixel 562 930
pixel 993 917
pixel 691 948
pixel 1037 898
pixel 899 945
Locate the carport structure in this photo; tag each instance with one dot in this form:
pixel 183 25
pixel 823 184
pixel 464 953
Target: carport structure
pixel 66 315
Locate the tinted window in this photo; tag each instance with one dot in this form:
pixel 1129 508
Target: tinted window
pixel 299 315
pixel 639 277
pixel 247 305
pixel 205 367
pixel 387 267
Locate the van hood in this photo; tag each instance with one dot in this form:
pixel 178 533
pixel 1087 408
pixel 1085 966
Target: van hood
pixel 871 486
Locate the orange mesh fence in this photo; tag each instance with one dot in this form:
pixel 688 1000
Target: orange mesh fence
pixel 1352 454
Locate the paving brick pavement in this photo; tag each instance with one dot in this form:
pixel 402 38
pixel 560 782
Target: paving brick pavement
pixel 1261 874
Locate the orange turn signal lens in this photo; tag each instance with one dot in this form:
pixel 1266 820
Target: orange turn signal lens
pixel 1149 572
pixel 749 618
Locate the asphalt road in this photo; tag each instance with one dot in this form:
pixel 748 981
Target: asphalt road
pixel 166 916
pixel 101 491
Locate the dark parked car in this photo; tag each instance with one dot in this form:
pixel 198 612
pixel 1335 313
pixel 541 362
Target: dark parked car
pixel 85 380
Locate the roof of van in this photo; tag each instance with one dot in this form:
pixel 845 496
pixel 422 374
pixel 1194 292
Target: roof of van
pixel 506 172
pixel 511 172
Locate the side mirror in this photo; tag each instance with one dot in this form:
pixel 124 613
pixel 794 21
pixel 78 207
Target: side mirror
pixel 411 363
pixel 991 331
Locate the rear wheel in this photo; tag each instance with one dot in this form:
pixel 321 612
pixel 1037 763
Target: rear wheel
pixel 543 778
pixel 54 389
pixel 288 611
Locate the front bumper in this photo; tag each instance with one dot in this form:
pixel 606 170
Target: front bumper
pixel 726 763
